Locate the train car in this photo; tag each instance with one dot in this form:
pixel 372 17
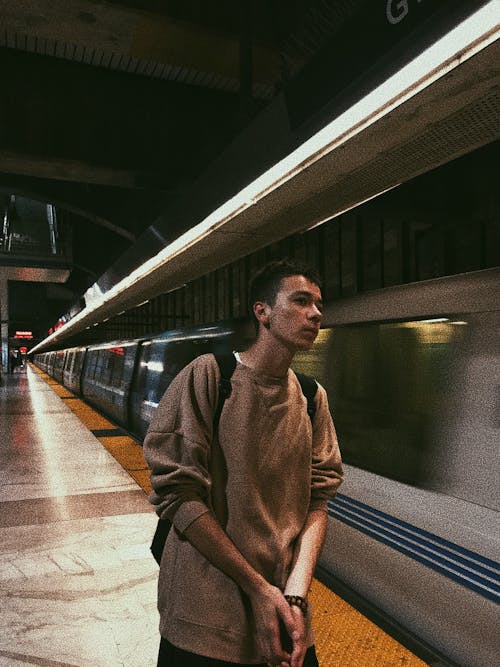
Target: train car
pixel 40 361
pixel 50 363
pixel 411 377
pixel 44 361
pixel 57 368
pixel 161 358
pixel 73 368
pixel 107 377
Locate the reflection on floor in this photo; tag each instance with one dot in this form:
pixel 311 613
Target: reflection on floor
pixel 77 580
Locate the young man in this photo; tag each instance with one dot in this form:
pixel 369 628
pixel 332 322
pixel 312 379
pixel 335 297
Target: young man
pixel 248 503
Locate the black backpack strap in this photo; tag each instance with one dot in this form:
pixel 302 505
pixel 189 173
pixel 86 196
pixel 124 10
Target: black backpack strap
pixel 159 538
pixel 227 364
pixel 309 388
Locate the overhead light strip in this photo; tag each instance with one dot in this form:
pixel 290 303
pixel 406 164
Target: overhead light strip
pixel 465 40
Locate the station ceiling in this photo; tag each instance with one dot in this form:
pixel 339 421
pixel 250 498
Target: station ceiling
pixel 113 110
pixel 110 110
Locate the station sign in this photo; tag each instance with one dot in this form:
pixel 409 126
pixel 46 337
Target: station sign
pixel 28 335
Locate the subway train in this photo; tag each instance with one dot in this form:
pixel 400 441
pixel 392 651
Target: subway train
pixel 412 378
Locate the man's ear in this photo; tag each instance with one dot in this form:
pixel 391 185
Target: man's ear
pixel 261 310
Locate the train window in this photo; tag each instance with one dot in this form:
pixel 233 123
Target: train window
pixel 178 354
pixel 70 356
pixel 78 361
pixel 313 362
pixel 394 404
pixel 143 371
pixel 116 365
pixel 92 364
pixel 103 367
pixel 161 361
pixel 97 365
pixel 160 375
pixel 385 383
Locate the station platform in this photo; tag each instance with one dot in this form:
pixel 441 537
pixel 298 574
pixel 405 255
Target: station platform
pixel 77 580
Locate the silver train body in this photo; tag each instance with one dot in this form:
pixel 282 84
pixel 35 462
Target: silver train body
pixel 412 378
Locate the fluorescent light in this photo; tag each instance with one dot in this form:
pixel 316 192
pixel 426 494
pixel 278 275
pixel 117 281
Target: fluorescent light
pixel 462 42
pixel 435 320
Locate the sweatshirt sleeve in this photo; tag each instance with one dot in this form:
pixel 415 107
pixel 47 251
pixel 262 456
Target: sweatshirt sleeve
pixel 327 473
pixel 177 444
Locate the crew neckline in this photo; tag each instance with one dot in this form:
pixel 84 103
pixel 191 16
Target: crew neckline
pixel 260 375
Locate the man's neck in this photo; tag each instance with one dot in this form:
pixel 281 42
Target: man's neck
pixel 267 359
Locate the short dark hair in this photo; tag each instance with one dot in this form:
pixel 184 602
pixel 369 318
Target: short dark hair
pixel 266 283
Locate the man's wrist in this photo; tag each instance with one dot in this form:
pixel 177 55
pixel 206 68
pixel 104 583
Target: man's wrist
pixel 298 601
pixel 254 584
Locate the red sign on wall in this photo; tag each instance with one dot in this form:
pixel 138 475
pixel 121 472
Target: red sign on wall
pixel 24 334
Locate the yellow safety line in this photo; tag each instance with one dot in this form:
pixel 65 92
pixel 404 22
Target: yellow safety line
pixel 343 636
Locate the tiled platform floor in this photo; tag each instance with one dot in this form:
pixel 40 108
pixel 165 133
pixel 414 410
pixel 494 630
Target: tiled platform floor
pixel 77 581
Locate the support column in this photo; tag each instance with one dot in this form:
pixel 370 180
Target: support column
pixel 4 318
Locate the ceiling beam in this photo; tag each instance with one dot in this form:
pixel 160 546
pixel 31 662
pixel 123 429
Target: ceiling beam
pixel 118 31
pixel 34 274
pixel 72 170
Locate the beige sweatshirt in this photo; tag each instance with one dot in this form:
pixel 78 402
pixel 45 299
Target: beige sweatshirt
pixel 260 478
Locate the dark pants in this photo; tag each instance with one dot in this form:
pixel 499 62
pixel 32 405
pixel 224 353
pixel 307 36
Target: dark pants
pixel 171 656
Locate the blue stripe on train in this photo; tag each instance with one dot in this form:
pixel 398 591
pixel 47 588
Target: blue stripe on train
pixel 453 561
pixel 411 533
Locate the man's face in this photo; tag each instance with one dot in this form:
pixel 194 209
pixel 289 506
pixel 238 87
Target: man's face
pixel 295 317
